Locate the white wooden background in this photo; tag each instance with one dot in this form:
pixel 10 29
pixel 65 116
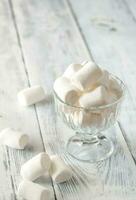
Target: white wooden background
pixel 38 40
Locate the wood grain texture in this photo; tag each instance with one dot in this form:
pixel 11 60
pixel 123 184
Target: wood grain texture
pixel 13 79
pixel 131 8
pixel 109 29
pixel 50 40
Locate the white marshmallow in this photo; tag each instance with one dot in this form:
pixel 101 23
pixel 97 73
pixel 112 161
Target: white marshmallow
pixel 65 90
pixel 86 119
pixel 87 76
pixel 114 85
pixel 59 171
pixel 104 80
pixel 71 70
pixel 95 98
pixel 32 191
pixel 112 97
pixel 35 167
pixel 13 139
pixel 31 95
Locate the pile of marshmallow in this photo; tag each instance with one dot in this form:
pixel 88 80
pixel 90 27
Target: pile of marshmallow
pixel 39 166
pixel 41 163
pixel 35 167
pixel 88 86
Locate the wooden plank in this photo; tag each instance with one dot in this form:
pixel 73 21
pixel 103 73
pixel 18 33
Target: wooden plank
pixel 6 179
pixel 131 7
pixel 50 41
pixel 6 182
pixel 12 79
pixel 110 32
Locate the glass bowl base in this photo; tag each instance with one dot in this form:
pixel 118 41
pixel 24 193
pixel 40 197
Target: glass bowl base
pixel 91 149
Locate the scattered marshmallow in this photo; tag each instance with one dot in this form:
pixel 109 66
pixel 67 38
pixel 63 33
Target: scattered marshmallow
pixel 59 171
pixel 35 167
pixel 13 139
pixel 87 76
pixel 65 90
pixel 32 191
pixel 31 95
pixel 71 70
pixel 95 98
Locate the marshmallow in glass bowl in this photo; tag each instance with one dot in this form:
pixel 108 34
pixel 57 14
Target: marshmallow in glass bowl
pixel 86 85
pixel 87 99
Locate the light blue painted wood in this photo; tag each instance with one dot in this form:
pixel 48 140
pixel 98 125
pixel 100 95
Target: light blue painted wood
pixel 13 79
pixel 36 46
pixel 50 41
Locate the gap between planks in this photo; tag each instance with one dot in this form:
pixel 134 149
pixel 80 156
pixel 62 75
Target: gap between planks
pixel 11 177
pixel 81 34
pixel 129 10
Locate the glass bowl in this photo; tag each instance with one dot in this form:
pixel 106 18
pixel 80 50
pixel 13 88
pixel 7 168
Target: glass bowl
pixel 89 144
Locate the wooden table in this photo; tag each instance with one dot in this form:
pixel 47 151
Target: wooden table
pixel 38 40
